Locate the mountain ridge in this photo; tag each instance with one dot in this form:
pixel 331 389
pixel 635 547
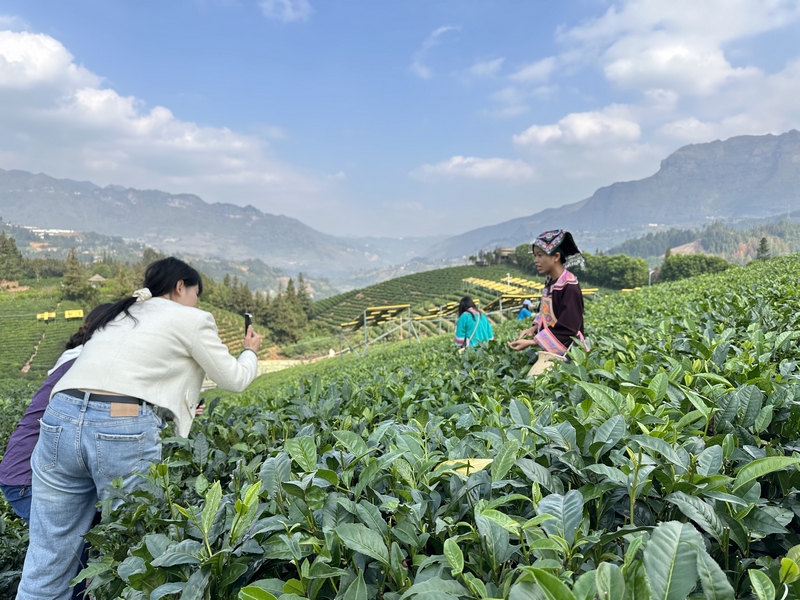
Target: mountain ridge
pixel 741 177
pixel 187 224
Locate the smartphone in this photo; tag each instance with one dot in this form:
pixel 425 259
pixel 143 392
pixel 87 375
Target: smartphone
pixel 248 320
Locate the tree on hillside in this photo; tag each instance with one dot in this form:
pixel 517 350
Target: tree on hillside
pixel 75 284
pixel 12 265
pixel 763 250
pixel 616 271
pixel 681 266
pixel 668 253
pixel 303 298
pixel 285 317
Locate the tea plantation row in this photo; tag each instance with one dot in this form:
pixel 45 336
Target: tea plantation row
pixel 660 464
pixel 421 290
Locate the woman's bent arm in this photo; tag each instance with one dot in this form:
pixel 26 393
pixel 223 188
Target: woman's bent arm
pixel 213 356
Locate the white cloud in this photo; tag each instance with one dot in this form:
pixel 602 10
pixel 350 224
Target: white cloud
pixel 587 128
pixel 661 61
pixel 487 68
pixel 287 11
pixel 418 66
pixel 676 45
pixel 470 167
pixel 536 71
pixel 58 118
pixel 12 22
pixel 675 58
pixel 30 59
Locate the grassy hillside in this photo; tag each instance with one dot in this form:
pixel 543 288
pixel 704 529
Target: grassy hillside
pixel 421 290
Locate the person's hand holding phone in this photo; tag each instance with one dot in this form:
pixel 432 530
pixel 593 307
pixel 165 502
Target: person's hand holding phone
pixel 252 340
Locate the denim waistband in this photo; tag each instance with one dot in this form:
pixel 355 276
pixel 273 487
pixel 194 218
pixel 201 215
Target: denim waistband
pixel 100 397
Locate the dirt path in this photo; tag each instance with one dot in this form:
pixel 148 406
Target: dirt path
pixel 27 366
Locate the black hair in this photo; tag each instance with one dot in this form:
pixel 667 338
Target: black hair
pixel 465 304
pixel 79 337
pixel 161 278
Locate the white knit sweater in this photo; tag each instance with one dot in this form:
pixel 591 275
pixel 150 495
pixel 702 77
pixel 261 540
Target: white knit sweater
pixel 161 357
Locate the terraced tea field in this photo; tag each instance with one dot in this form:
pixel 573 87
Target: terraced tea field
pixel 421 290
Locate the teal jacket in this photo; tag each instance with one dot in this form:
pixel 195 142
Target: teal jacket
pixel 473 327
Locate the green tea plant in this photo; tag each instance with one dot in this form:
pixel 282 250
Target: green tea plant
pixel 660 464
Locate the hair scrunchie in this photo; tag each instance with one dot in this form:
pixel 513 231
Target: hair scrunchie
pixel 142 295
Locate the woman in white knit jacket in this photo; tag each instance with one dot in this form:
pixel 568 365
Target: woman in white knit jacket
pixel 150 350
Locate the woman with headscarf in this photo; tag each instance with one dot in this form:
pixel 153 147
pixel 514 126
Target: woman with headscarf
pixel 560 317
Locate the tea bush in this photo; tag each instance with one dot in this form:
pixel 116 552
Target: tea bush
pixel 661 464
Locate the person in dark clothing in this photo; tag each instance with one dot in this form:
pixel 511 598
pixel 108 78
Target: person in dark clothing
pixel 560 315
pixel 15 468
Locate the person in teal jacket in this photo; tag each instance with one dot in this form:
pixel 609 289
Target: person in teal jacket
pixel 473 326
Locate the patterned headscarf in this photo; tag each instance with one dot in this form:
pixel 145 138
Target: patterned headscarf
pixel 558 240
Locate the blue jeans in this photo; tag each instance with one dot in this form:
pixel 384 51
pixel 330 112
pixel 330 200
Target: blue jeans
pixel 19 497
pixel 81 450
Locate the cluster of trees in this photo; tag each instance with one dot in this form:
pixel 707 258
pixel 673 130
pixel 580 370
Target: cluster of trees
pixel 681 266
pixel 286 314
pixel 616 272
pixel 656 242
pixel 738 245
pixel 13 266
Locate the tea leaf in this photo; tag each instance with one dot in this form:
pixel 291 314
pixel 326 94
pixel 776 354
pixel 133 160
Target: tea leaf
pixel 761 467
pixel 609 581
pixel 670 560
pixel 304 452
pixel 712 577
pixel 762 585
pixel 361 539
pixel 454 556
pixel 568 513
pixel 505 459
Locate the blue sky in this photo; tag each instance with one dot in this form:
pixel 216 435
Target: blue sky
pixel 413 117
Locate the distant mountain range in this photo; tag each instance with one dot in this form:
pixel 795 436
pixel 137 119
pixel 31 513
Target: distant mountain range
pixel 185 223
pixel 739 178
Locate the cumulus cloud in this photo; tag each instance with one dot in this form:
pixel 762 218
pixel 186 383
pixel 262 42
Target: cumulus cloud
pixel 677 45
pixel 59 118
pixel 587 128
pixel 470 167
pixel 418 61
pixel 672 62
pixel 287 11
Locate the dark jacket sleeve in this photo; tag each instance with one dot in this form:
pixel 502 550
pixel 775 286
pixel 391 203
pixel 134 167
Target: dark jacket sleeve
pixel 568 309
pixel 15 468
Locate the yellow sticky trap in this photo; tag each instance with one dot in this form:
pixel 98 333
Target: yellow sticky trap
pixel 468 465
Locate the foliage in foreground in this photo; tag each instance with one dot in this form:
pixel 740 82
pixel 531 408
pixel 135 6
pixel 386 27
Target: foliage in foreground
pixel 661 464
